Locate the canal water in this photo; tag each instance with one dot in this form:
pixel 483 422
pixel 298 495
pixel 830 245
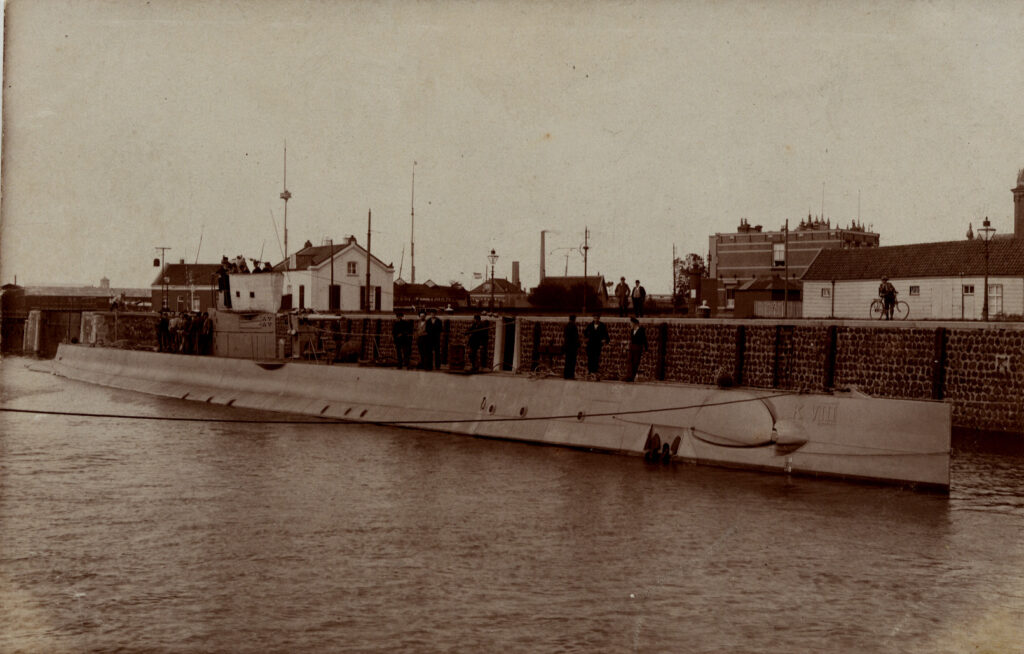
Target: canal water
pixel 127 535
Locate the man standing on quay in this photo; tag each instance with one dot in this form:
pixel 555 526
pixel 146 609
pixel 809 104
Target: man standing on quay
pixel 597 335
pixel 637 347
pixel 434 329
pixel 639 294
pixel 401 334
pixel 622 294
pixel 571 347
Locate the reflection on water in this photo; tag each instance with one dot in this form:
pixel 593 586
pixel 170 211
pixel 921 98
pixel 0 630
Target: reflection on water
pixel 206 536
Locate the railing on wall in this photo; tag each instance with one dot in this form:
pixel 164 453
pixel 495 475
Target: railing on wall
pixel 776 309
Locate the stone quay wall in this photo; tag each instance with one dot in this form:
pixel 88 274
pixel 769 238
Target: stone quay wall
pixel 978 368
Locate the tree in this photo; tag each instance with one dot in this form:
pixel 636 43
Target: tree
pixel 686 268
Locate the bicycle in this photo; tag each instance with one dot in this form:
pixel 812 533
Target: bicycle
pixel 900 310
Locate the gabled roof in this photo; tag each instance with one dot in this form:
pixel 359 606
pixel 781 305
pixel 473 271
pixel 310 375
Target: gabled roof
pixel 773 283
pixel 179 273
pixel 595 282
pixel 942 259
pixel 314 256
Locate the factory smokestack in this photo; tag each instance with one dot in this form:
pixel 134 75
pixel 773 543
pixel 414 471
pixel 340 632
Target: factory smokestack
pixel 515 274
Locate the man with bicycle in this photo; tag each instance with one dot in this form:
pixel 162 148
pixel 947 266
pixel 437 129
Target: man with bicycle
pixel 887 292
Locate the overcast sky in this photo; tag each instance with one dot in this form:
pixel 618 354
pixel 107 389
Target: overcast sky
pixel 130 125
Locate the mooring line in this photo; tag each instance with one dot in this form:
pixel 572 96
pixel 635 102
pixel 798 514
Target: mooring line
pixel 347 421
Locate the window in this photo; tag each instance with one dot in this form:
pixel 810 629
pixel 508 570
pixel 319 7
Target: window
pixel 252 293
pixel 730 297
pixel 915 290
pixel 778 254
pixel 826 292
pixel 995 299
pixel 351 268
pixel 302 296
pixel 968 289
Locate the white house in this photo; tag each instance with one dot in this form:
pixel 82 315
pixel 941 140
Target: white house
pixel 943 280
pixel 319 278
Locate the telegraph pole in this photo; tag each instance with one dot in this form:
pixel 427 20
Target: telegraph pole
pixel 369 215
pixel 586 247
pixel 285 195
pixel 412 227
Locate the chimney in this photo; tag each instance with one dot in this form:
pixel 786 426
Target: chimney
pixel 541 257
pixel 181 261
pixel 515 275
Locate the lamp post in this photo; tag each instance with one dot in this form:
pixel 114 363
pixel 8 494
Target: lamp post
pixel 492 257
pixel 986 230
pixel 163 272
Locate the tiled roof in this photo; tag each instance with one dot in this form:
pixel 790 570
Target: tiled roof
pixel 201 274
pixel 943 259
pixel 596 282
pixel 501 285
pixel 770 283
pixel 429 291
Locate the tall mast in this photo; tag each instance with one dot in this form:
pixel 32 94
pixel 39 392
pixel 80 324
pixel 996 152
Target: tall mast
pixel 285 195
pixel 412 228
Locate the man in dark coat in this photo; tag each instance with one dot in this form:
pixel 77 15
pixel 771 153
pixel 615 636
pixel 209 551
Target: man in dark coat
pixel 434 329
pixel 401 334
pixel 163 332
pixel 622 295
pixel 423 342
pixel 637 347
pixel 639 295
pixel 477 337
pixel 597 335
pixel 571 347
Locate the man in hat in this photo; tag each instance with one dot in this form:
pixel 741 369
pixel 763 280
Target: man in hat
pixel 622 295
pixel 887 292
pixel 596 335
pixel 637 347
pixel 401 334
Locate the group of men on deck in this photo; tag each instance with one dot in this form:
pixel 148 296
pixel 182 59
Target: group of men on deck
pixel 596 336
pixel 427 334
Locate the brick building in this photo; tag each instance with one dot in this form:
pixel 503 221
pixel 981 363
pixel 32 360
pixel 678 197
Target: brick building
pixel 752 253
pixel 185 286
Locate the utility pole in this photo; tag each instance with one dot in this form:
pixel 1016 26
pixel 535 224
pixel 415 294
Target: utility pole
pixel 785 255
pixel 586 247
pixel 412 228
pixel 330 291
pixel 285 195
pixel 369 215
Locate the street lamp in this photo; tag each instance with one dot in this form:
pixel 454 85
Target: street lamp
pixel 986 230
pixel 492 257
pixel 163 272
